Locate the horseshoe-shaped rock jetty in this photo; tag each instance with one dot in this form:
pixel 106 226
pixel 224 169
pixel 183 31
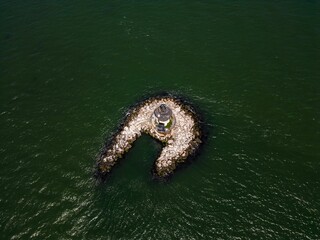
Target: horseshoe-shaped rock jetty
pixel 166 119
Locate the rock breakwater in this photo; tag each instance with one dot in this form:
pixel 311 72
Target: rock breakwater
pixel 180 142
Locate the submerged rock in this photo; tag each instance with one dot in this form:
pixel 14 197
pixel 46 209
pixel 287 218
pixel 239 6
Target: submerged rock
pixel 166 119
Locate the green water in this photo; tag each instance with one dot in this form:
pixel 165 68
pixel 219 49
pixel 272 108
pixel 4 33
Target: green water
pixel 70 69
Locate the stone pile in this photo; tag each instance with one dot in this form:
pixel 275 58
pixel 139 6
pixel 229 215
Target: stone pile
pixel 183 139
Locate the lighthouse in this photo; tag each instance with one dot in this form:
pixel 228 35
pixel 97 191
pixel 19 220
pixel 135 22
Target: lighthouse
pixel 164 119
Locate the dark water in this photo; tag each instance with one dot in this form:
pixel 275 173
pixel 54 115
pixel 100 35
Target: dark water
pixel 70 69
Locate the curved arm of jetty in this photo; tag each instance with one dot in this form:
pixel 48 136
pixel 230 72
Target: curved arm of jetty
pixel 180 142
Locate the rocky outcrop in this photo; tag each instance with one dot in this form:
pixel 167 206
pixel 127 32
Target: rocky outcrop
pixel 183 139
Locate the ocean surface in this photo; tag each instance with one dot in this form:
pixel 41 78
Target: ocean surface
pixel 69 70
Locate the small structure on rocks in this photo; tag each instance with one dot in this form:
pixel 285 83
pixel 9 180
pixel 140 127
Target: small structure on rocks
pixel 166 119
pixel 163 119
